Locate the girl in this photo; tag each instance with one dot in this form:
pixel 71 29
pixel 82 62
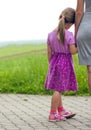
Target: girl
pixel 61 76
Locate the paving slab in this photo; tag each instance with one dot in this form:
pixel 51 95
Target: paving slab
pixel 30 112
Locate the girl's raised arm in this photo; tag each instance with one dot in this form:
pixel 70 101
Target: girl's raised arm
pixel 73 49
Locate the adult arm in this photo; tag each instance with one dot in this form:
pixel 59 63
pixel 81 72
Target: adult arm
pixel 79 14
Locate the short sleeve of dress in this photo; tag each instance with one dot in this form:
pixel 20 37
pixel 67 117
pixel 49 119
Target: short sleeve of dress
pixel 71 39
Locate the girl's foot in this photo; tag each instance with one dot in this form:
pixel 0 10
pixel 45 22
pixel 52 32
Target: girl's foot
pixel 67 114
pixel 56 117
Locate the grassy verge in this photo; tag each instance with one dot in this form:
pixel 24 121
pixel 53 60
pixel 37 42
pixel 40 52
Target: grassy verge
pixel 17 49
pixel 27 74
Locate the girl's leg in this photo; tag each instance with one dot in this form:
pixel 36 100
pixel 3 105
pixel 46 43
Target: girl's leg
pixel 54 106
pixel 89 77
pixel 60 101
pixel 60 105
pixel 62 111
pixel 55 101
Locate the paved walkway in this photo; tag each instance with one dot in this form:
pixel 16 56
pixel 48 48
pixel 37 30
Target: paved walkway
pixel 30 112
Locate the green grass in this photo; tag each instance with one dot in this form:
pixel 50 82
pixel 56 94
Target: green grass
pixel 14 49
pixel 26 74
pixel 23 74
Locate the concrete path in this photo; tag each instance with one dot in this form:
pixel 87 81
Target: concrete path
pixel 30 112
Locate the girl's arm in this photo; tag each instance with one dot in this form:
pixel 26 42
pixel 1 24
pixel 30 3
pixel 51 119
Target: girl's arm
pixel 49 52
pixel 73 49
pixel 79 14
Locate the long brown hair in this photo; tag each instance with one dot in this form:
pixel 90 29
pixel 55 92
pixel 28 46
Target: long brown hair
pixel 67 16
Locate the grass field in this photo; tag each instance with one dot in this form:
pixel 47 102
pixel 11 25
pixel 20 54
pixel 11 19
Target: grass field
pixel 17 49
pixel 26 74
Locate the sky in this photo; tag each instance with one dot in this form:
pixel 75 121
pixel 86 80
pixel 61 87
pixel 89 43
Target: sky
pixel 30 19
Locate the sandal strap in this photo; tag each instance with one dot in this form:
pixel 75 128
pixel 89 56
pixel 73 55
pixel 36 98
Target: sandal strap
pixel 57 117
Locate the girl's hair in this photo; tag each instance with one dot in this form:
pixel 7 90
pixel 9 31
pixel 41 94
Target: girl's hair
pixel 67 16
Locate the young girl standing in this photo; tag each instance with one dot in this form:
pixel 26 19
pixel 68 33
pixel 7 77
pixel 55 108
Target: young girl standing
pixel 61 76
